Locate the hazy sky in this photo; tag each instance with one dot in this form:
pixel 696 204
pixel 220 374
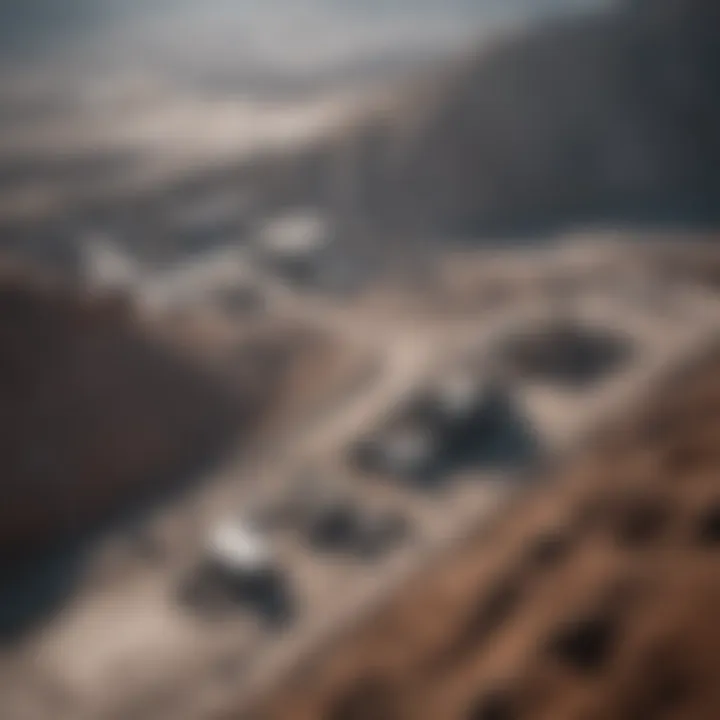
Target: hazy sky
pixel 275 31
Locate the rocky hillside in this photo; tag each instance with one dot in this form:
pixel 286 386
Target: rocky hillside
pixel 610 116
pixel 93 413
pixel 613 115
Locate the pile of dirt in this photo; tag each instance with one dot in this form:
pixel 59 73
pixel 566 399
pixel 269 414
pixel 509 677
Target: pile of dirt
pixel 593 598
pixel 94 412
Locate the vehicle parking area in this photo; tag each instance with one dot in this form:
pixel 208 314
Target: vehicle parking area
pixel 170 634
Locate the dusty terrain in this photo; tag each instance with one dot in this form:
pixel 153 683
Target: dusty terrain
pixel 540 576
pixel 605 117
pixel 102 407
pixel 139 650
pixel 593 597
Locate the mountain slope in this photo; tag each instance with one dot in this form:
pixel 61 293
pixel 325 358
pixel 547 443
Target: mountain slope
pixel 608 115
pixel 93 413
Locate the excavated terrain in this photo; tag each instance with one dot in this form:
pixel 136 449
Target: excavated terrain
pixel 593 597
pixel 102 411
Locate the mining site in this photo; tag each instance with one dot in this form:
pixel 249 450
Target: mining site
pixel 379 388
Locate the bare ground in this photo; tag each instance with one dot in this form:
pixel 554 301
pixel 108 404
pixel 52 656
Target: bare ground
pixel 592 598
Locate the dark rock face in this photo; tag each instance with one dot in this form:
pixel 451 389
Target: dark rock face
pixel 614 115
pixel 609 116
pixel 93 415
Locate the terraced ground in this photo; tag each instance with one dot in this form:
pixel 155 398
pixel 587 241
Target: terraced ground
pixel 593 598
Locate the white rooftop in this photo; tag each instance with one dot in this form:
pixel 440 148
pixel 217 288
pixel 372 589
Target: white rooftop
pixel 295 233
pixel 106 264
pixel 238 546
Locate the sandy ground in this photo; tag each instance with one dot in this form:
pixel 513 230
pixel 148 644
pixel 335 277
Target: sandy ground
pixel 593 597
pixel 123 646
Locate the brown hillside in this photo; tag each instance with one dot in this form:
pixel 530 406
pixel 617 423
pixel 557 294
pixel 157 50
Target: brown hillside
pixel 93 412
pixel 594 598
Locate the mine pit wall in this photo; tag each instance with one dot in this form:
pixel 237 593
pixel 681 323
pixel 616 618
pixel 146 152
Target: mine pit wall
pixel 94 415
